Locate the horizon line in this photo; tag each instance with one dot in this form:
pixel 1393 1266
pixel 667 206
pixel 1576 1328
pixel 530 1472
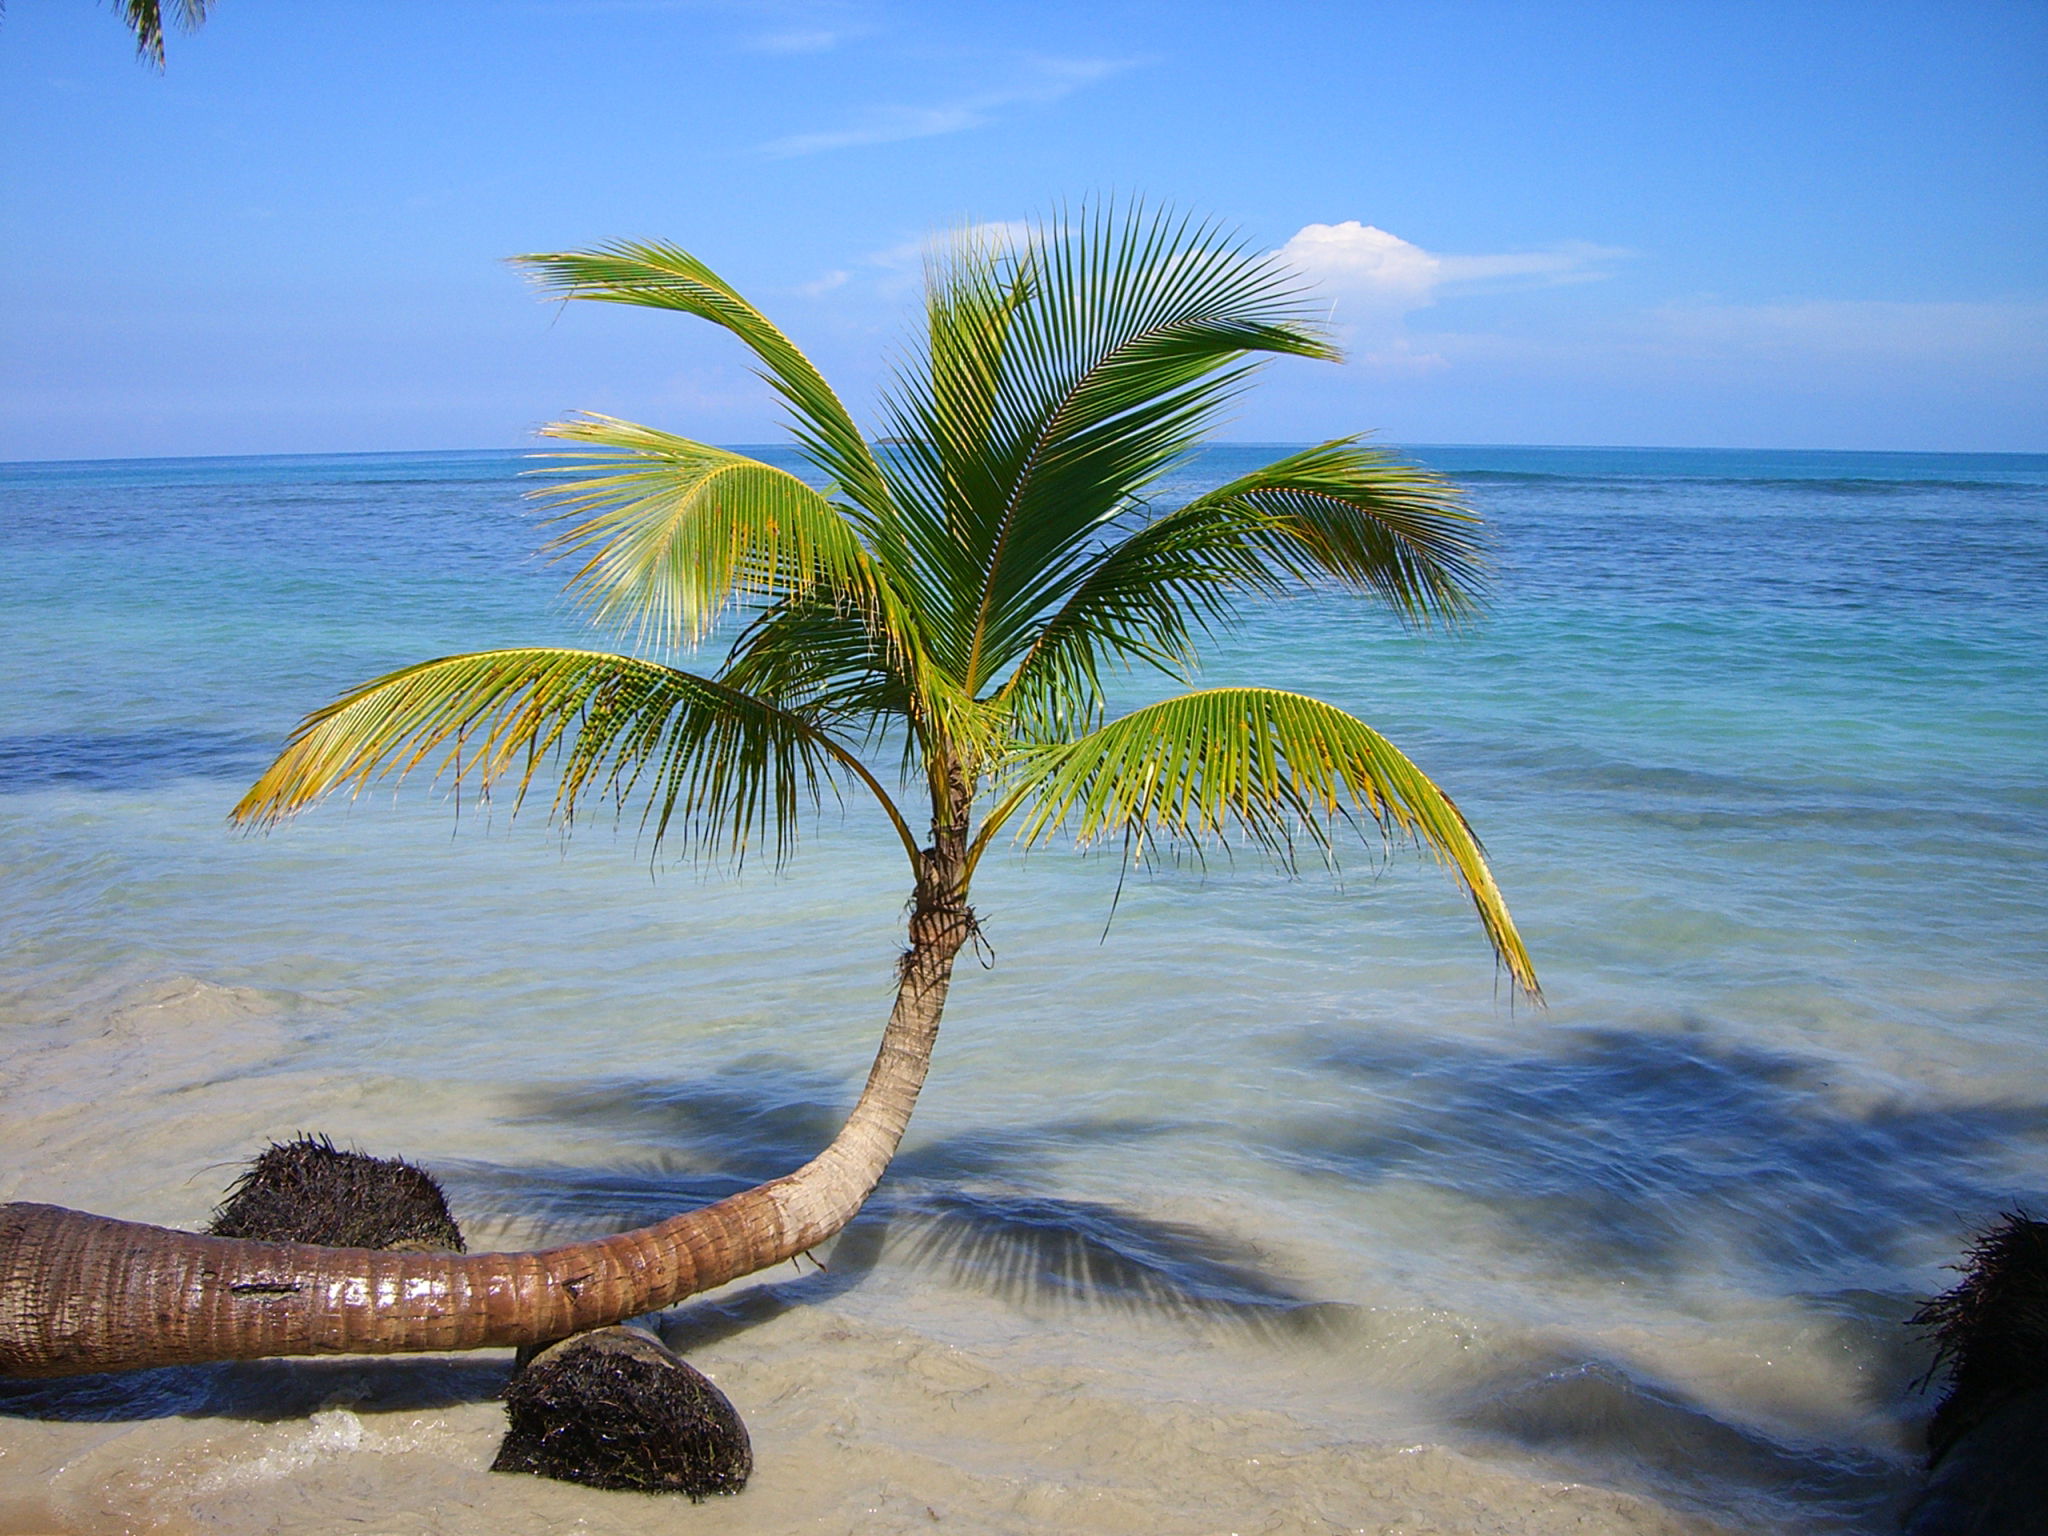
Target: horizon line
pixel 1259 442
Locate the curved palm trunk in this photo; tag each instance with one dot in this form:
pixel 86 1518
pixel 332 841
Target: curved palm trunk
pixel 89 1293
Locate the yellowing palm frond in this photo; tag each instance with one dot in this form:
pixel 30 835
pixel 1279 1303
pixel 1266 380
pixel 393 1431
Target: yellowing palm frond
pixel 1278 768
pixel 661 276
pixel 671 531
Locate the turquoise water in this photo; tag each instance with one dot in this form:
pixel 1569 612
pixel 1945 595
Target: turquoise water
pixel 1756 742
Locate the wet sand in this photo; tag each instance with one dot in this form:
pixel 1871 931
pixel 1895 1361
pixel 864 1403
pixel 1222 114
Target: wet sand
pixel 898 1403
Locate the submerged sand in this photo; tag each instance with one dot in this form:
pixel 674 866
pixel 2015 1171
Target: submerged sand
pixel 908 1386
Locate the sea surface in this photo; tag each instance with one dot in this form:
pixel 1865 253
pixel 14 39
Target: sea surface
pixel 1236 1203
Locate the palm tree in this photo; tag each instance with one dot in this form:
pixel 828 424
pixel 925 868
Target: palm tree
pixel 957 596
pixel 145 19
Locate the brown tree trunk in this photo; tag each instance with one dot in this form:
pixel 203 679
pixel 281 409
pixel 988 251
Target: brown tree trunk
pixel 89 1293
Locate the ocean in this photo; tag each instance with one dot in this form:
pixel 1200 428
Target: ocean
pixel 1236 1202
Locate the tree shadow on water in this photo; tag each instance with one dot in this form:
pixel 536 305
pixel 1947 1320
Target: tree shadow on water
pixel 1644 1153
pixel 135 761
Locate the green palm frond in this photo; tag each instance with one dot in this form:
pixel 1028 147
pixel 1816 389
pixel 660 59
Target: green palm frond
pixel 814 656
pixel 1358 515
pixel 1121 338
pixel 1277 768
pixel 1339 512
pixel 961 592
pixel 672 531
pixel 661 276
pixel 710 762
pixel 1145 598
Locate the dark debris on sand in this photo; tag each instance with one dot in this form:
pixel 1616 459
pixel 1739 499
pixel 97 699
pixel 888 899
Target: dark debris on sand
pixel 616 1408
pixel 1988 1441
pixel 1991 1331
pixel 309 1191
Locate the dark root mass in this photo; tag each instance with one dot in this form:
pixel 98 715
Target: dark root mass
pixel 616 1408
pixel 1991 1331
pixel 309 1191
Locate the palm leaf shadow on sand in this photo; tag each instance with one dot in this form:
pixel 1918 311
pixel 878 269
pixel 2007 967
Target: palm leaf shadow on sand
pixel 1634 1152
pixel 958 1209
pixel 1603 1421
pixel 961 1208
pixel 1639 1156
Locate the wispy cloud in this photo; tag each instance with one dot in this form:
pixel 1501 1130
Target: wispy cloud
pixel 768 26
pixel 1037 81
pixel 805 39
pixel 911 255
pixel 817 287
pixel 896 268
pixel 1834 349
pixel 1874 332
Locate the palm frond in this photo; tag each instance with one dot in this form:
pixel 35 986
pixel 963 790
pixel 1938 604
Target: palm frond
pixel 672 531
pixel 661 276
pixel 1337 513
pixel 145 18
pixel 1145 598
pixel 1355 514
pixel 815 656
pixel 1124 336
pixel 710 763
pixel 1280 769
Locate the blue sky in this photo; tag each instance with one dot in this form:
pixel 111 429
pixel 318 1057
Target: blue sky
pixel 1765 225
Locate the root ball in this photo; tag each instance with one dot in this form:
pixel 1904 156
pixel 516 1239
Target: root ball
pixel 616 1408
pixel 309 1191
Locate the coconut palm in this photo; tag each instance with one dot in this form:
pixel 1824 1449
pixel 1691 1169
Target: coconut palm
pixel 954 600
pixel 145 19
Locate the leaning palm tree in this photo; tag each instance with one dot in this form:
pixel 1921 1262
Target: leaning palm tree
pixel 956 599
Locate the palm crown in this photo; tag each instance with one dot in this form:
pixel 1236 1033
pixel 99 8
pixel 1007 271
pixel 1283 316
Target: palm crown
pixel 961 589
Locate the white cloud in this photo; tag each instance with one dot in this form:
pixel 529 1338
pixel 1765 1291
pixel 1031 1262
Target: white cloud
pixel 1363 267
pixel 1037 81
pixel 1374 280
pixel 1363 261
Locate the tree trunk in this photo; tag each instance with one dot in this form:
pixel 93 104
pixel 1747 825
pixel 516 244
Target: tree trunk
pixel 89 1293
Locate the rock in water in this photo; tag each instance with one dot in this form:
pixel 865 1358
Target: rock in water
pixel 308 1191
pixel 616 1408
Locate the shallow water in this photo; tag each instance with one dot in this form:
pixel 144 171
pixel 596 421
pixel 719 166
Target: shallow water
pixel 1265 1212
